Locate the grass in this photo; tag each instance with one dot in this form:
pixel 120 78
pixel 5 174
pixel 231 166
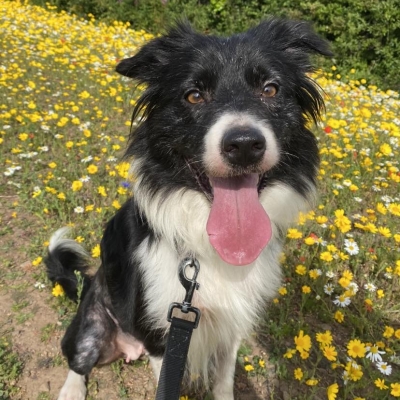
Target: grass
pixel 333 329
pixel 10 368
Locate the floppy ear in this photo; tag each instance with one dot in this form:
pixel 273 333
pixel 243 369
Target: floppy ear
pixel 149 64
pixel 291 36
pixel 297 41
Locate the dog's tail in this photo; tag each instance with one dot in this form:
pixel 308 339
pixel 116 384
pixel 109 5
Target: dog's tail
pixel 64 259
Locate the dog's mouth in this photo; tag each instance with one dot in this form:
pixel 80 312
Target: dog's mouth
pixel 238 226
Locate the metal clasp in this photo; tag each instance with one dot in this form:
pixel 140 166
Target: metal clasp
pixel 190 286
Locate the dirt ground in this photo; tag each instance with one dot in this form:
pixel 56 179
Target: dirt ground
pixel 29 318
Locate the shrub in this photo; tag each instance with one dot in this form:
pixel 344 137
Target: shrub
pixel 365 34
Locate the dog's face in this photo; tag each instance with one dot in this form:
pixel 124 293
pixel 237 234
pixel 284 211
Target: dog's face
pixel 223 115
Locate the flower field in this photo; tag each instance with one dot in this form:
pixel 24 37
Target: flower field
pixel 333 330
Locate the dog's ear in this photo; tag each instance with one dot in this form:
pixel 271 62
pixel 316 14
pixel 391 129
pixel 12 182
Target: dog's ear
pixel 148 65
pixel 291 37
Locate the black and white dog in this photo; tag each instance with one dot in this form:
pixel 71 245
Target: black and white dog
pixel 223 163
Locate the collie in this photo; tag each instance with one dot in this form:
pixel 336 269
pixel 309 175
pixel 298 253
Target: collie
pixel 223 162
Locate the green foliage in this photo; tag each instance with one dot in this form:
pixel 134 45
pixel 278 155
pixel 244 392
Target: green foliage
pixel 365 34
pixel 10 369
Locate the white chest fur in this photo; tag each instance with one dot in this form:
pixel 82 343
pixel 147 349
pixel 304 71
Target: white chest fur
pixel 230 297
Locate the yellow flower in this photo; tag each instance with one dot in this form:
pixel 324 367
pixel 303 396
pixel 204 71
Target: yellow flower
pixel 347 274
pixel 298 374
pixel 314 274
pixel 294 234
pixel 312 382
pixel 76 186
pixel 381 208
pixel 384 232
pixel 282 291
pixel 116 204
pixel 302 342
pixel 57 290
pixel 339 316
pixel 102 191
pixel 332 391
pixel 385 149
pixel 324 338
pixel 309 241
pixel 301 270
pixel 289 353
pixel 306 289
pixel 380 384
pixel 353 371
pixel 395 389
pixel 249 368
pixel 341 221
pixel 344 282
pixel 326 256
pixel 321 219
pixel 355 348
pixel 52 165
pixel 330 353
pixel 394 208
pixel 389 331
pixel 37 261
pixel 96 251
pixel 92 169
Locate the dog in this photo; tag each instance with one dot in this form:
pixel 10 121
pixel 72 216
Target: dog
pixel 223 162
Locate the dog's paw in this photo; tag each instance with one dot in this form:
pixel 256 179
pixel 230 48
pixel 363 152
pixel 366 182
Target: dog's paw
pixel 74 387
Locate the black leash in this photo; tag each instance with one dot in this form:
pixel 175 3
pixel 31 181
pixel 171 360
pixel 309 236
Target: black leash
pixel 180 333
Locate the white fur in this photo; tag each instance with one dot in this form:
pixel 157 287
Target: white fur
pixel 231 298
pixel 213 160
pixel 74 387
pixel 60 240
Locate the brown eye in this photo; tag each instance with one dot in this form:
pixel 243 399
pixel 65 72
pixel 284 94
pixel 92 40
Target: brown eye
pixel 269 90
pixel 194 97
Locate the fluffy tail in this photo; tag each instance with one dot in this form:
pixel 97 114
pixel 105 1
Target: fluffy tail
pixel 64 258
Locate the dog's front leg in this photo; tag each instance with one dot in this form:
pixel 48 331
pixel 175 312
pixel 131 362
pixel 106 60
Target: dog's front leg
pixel 74 387
pixel 225 373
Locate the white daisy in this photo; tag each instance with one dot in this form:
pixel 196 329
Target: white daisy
pixel 328 289
pixel 370 287
pixel 374 354
pixel 353 287
pixel 39 285
pixel 87 159
pixel 79 210
pixel 351 247
pixel 384 367
pixel 85 178
pixel 342 301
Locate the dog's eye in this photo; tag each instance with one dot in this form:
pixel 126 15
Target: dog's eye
pixel 194 97
pixel 269 90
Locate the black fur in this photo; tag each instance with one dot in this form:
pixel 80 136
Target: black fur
pixel 229 73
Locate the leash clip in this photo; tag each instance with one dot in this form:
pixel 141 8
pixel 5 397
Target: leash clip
pixel 190 286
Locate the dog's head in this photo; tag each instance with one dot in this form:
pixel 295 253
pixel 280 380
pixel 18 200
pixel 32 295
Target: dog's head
pixel 227 116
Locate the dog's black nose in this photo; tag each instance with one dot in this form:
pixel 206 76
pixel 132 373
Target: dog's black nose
pixel 243 146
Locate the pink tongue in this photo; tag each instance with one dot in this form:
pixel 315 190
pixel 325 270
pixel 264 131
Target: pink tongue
pixel 238 226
